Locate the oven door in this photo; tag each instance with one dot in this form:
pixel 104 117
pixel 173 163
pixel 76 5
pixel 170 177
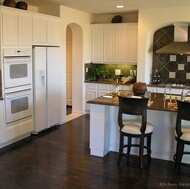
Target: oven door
pixel 17 71
pixel 18 105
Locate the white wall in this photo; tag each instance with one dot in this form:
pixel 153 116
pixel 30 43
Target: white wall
pixel 107 18
pixel 83 20
pixel 150 20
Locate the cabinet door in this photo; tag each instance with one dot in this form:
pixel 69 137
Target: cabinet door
pixel 109 44
pixel 90 94
pixel 97 45
pixel 53 32
pixel 2 122
pixel 25 30
pixel 132 44
pixel 39 31
pixel 121 44
pixel 10 29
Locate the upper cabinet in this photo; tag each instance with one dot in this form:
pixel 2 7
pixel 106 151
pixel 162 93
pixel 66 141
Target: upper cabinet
pixel 97 43
pixel 46 30
pixel 114 43
pixel 132 43
pixel 16 28
pixel 25 28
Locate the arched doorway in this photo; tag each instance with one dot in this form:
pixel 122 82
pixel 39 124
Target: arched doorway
pixel 74 67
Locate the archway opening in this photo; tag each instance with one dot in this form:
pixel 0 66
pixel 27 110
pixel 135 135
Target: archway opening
pixel 74 71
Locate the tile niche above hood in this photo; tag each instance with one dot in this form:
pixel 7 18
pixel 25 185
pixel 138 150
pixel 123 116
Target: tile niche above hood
pixel 181 45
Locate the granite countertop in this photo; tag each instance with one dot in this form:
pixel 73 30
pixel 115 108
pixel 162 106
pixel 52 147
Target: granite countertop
pixel 108 81
pixel 111 81
pixel 156 102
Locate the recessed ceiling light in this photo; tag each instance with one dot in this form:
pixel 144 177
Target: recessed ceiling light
pixel 119 6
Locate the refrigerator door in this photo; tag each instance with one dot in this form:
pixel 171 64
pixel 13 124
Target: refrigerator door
pixel 39 88
pixel 53 85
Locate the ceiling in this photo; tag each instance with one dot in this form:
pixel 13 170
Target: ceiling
pixel 109 6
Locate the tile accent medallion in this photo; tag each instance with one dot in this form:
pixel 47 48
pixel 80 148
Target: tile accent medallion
pixel 171 68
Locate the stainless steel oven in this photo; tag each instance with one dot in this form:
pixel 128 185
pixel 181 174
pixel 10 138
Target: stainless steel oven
pixel 18 105
pixel 17 69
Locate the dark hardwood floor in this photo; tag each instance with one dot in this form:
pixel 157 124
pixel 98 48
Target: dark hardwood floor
pixel 59 159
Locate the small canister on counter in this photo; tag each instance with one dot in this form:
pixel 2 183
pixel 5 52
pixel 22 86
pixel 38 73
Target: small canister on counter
pixel 139 88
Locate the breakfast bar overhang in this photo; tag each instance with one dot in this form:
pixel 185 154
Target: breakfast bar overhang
pixel 104 129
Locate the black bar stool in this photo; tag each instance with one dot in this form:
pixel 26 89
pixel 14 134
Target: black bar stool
pixel 182 132
pixel 134 128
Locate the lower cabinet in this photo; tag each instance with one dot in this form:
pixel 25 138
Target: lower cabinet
pixel 2 122
pixel 94 90
pixel 19 130
pixel 15 131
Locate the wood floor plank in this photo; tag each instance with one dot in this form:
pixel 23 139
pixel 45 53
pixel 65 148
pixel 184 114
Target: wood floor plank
pixel 59 159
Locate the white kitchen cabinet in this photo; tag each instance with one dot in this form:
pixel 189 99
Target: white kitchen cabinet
pixel 39 34
pixel 114 43
pixel 53 31
pixel 94 90
pixel 104 89
pixel 2 121
pixel 131 44
pixel 16 29
pixel 90 93
pixel 97 44
pixel 25 30
pixel 109 44
pixel 46 30
pixel 19 130
pixel 121 44
pixel 9 29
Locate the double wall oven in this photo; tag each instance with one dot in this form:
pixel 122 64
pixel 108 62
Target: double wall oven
pixel 17 76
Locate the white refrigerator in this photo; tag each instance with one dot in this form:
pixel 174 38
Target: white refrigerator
pixel 46 87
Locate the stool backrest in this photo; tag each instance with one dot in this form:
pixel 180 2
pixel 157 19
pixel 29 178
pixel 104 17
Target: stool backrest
pixel 183 113
pixel 133 106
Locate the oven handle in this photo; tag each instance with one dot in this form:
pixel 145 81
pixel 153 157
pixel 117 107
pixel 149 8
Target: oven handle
pixel 18 94
pixel 17 59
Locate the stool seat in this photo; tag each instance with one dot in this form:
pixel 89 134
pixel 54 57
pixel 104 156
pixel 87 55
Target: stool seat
pixel 133 127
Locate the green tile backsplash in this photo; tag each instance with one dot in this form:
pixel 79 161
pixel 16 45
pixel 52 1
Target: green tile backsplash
pixel 125 69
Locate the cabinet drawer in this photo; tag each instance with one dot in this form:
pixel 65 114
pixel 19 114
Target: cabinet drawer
pixel 19 129
pixel 104 87
pixel 91 86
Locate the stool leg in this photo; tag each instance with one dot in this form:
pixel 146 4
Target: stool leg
pixel 149 147
pixel 120 148
pixel 141 149
pixel 179 152
pixel 129 145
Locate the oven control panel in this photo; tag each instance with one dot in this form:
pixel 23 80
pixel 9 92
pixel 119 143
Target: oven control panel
pixel 17 52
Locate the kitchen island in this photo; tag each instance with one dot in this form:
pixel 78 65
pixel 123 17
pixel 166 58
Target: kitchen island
pixel 104 129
